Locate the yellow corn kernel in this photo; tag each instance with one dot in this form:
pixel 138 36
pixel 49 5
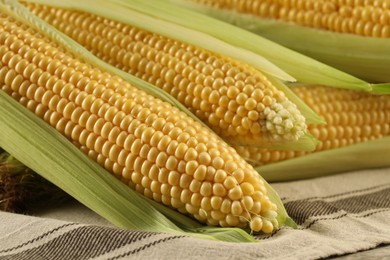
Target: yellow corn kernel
pixel 128 145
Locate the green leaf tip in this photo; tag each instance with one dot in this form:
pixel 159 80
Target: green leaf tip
pixel 381 89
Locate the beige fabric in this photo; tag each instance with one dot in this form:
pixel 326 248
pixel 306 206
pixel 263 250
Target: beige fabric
pixel 337 215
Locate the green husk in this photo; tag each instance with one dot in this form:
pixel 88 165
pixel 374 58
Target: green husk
pixel 381 89
pixel 363 57
pixel 303 68
pixel 126 15
pixel 306 143
pixel 366 155
pixel 47 152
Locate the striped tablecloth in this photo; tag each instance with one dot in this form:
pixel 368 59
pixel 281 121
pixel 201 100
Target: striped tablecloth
pixel 337 215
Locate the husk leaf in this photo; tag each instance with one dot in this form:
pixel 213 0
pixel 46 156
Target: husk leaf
pixel 366 155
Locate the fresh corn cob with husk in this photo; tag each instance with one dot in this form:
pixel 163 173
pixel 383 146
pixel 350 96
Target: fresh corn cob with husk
pixel 349 35
pixel 235 100
pixel 148 144
pixel 352 117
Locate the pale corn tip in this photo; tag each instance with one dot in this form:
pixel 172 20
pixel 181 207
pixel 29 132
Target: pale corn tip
pixel 351 116
pixel 148 144
pixel 284 121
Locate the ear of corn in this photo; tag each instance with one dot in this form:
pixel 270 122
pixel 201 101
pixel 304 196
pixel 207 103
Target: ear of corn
pixel 102 115
pixel 301 67
pixel 355 120
pixel 346 36
pixel 212 91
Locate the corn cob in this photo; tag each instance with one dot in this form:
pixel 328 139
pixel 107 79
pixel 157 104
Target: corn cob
pixel 365 18
pixel 352 117
pixel 238 102
pixel 149 144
